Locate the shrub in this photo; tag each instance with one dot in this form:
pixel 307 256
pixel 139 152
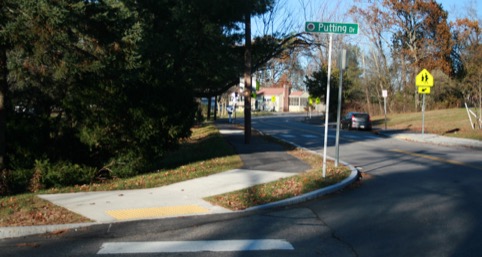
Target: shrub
pixel 125 165
pixel 63 173
pixel 3 182
pixel 15 182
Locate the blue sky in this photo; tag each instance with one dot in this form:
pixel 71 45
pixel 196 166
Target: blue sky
pixel 456 8
pixel 296 12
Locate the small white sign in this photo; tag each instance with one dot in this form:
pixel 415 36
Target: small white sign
pixel 384 93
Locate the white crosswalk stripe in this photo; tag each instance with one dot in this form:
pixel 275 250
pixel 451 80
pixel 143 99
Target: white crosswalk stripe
pixel 194 246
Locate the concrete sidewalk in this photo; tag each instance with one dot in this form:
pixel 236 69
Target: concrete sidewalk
pixel 180 199
pixel 433 139
pixel 263 161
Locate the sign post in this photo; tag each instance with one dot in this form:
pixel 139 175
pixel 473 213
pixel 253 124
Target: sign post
pixel 423 114
pixel 424 81
pixel 331 28
pixel 385 94
pixel 327 107
pixel 342 66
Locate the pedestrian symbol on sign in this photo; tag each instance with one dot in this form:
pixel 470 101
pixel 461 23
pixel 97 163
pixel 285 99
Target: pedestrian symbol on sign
pixel 424 79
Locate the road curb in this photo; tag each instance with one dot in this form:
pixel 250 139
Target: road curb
pixel 354 175
pixel 441 141
pixel 311 195
pixel 12 232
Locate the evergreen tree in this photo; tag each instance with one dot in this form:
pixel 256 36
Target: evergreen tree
pixel 111 82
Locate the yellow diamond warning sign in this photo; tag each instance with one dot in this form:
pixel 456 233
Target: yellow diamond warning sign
pixel 424 79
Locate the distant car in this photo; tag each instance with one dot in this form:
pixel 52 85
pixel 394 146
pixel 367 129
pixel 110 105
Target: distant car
pixel 356 120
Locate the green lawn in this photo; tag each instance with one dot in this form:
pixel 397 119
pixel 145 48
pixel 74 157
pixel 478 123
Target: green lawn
pixel 449 122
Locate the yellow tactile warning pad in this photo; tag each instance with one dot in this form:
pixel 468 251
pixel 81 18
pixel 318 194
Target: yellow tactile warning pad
pixel 156 212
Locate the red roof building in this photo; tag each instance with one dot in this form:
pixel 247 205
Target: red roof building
pixel 278 99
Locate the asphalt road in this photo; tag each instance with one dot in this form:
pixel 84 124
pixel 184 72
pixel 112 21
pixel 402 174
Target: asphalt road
pixel 414 200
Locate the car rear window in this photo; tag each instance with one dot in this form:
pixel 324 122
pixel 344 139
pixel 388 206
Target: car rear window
pixel 361 115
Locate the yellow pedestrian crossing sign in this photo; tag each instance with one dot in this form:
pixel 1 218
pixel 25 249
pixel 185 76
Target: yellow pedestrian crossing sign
pixel 424 79
pixel 424 90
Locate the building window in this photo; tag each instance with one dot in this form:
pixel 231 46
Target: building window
pixel 294 101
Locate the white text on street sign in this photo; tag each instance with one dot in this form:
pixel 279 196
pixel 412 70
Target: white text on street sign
pixel 331 27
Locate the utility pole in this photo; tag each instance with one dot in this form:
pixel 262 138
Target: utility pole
pixel 247 80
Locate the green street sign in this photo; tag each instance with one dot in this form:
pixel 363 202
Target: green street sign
pixel 331 27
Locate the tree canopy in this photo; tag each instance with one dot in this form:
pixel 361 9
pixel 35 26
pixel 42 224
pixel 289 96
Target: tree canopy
pixel 101 82
pixel 406 37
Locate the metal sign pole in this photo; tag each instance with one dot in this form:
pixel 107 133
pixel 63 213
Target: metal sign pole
pixel 385 110
pixel 423 114
pixel 327 107
pixel 385 95
pixel 342 64
pixel 423 81
pixel 337 28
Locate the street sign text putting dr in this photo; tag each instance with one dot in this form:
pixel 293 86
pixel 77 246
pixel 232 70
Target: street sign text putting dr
pixel 331 27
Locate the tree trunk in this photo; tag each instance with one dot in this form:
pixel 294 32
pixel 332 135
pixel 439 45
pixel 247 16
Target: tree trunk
pixel 3 114
pixel 209 108
pixel 215 107
pixel 247 81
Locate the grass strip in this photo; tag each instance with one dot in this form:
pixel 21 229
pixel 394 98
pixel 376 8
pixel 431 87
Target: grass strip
pixel 204 153
pixel 308 181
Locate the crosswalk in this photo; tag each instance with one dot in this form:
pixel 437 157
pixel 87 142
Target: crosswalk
pixel 361 137
pixel 194 246
pixel 347 136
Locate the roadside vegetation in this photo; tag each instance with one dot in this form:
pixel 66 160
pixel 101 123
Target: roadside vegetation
pixel 204 153
pixel 87 94
pixel 306 182
pixel 448 122
pixel 90 101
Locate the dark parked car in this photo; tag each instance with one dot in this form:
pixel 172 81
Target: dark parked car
pixel 356 120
